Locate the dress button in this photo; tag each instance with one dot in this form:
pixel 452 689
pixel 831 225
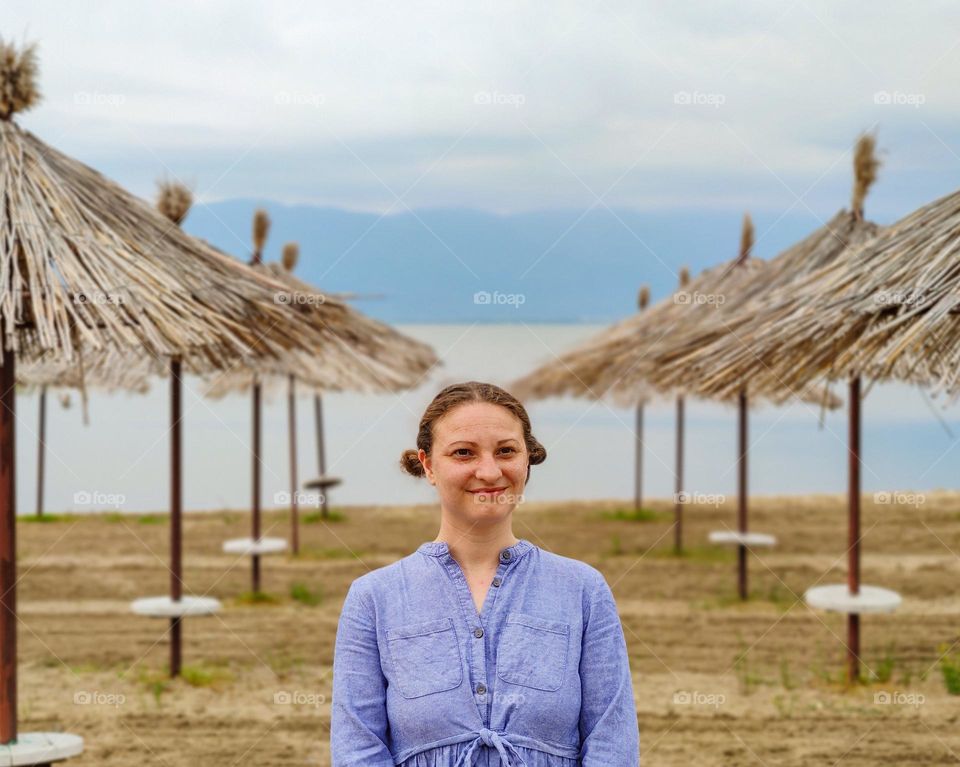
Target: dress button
pixel 505 555
pixel 478 632
pixel 481 689
pixel 496 581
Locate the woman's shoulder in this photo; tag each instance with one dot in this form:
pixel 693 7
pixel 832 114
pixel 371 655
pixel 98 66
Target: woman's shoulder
pixel 568 568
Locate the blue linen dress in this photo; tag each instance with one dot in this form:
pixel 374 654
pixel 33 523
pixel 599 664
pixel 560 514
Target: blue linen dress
pixel 539 678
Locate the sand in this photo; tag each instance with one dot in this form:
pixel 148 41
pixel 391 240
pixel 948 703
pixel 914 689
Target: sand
pixel 717 682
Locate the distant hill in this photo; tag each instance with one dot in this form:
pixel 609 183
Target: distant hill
pixel 548 266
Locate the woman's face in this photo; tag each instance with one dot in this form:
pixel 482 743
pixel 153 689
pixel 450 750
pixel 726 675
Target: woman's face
pixel 478 462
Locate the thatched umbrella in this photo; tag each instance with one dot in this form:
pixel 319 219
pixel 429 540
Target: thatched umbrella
pixel 842 320
pixel 376 358
pixel 86 266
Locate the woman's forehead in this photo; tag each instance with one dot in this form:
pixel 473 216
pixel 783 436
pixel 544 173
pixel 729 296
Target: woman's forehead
pixel 480 419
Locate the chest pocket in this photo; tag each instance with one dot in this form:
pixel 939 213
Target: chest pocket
pixel 426 657
pixel 533 652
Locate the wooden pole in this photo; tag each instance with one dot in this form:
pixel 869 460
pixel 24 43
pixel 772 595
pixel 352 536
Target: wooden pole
pixel 638 479
pixel 678 502
pixel 853 533
pixel 41 449
pixel 292 430
pixel 255 516
pixel 321 455
pixel 8 545
pixel 176 510
pixel 742 494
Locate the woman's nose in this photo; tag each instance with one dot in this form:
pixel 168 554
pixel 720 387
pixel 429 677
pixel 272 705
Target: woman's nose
pixel 488 468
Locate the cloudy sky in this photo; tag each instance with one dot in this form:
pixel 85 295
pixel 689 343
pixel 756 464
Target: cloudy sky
pixel 504 106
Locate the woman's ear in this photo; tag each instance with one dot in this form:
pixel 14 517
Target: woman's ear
pixel 426 462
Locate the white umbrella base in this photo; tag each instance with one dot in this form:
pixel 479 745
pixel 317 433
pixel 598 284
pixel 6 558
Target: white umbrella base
pixel 259 546
pixel 735 538
pixel 40 748
pixel 165 607
pixel 838 599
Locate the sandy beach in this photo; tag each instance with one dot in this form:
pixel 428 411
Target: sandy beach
pixel 717 682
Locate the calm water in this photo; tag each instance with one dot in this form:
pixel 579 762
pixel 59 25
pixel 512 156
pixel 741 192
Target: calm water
pixel 121 459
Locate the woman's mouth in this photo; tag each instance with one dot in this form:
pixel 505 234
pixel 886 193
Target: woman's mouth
pixel 487 490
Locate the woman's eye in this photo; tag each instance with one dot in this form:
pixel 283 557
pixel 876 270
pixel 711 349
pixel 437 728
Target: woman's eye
pixel 509 449
pixel 462 452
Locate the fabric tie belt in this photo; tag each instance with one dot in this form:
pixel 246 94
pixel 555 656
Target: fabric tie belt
pixel 491 739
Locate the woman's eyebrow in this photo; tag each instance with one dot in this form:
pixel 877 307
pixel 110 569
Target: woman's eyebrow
pixel 468 442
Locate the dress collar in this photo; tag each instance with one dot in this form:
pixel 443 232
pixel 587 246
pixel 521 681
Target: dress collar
pixel 508 554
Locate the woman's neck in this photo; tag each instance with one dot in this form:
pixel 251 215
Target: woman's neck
pixel 476 548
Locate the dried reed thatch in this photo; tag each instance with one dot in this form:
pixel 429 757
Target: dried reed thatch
pixel 85 263
pixel 373 357
pixel 748 344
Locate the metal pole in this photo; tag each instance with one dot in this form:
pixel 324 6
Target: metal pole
pixel 176 510
pixel 638 495
pixel 742 496
pixel 8 545
pixel 256 485
pixel 292 429
pixel 678 503
pixel 41 449
pixel 321 456
pixel 853 553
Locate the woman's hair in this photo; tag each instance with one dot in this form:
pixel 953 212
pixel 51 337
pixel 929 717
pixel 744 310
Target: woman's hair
pixel 464 394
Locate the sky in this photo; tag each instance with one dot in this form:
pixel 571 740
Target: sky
pixel 504 106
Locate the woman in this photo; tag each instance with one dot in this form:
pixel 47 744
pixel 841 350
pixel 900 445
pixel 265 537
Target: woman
pixel 481 649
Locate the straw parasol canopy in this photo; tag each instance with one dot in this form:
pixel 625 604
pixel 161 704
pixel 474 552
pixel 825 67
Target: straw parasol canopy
pixel 370 356
pixel 86 264
pixel 616 362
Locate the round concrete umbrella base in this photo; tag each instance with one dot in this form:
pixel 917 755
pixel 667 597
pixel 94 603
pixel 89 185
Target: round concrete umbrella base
pixel 165 607
pixel 838 599
pixel 735 538
pixel 255 547
pixel 40 748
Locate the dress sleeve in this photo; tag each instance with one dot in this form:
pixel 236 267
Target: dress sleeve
pixel 608 717
pixel 358 720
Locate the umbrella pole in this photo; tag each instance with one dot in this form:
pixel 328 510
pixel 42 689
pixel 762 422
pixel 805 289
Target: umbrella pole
pixel 638 479
pixel 176 510
pixel 742 496
pixel 321 456
pixel 292 429
pixel 678 496
pixel 255 516
pixel 8 546
pixel 853 551
pixel 41 448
